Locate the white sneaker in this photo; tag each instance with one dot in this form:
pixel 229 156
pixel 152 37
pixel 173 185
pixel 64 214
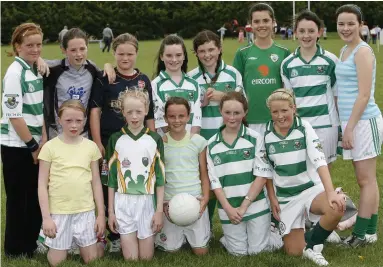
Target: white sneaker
pixel 115 246
pixel 334 238
pixel 315 255
pixel 371 238
pixel 41 248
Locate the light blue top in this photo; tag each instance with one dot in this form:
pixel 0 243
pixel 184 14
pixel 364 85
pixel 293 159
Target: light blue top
pixel 347 79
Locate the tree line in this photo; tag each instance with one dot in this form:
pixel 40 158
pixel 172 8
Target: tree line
pixel 153 20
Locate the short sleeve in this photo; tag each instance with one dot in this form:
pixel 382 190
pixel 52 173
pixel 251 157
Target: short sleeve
pixel 284 76
pixel 214 179
pixel 196 110
pixel 261 167
pixel 159 167
pixel 96 154
pixel 314 146
pixel 12 103
pixel 150 115
pixel 238 62
pixel 200 142
pixel 159 108
pixel 97 96
pixel 45 152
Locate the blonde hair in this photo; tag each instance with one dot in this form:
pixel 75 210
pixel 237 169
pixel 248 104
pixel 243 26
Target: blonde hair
pixel 125 38
pixel 134 92
pixel 281 94
pixel 73 104
pixel 22 31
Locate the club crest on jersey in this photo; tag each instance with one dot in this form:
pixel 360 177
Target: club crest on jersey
pixel 274 57
pixel 191 95
pixel 126 163
pixel 246 153
pixel 163 237
pixel 76 93
pixel 264 157
pixel 141 84
pixel 216 160
pixel 294 73
pixel 228 87
pixel 271 149
pixel 297 145
pixel 318 145
pixel 10 100
pixel 145 161
pixel 282 228
pixel 31 88
pixel 283 144
pixel 320 69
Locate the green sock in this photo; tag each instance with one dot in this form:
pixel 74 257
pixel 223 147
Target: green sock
pixel 308 235
pixel 319 235
pixel 211 208
pixel 371 228
pixel 360 227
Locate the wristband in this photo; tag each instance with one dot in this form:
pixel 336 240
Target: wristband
pixel 32 145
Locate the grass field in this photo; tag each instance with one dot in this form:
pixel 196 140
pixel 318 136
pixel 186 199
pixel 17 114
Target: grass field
pixel 342 174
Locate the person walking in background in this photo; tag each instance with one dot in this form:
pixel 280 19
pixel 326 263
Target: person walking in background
pixel 365 32
pixel 373 35
pixel 249 33
pixel 107 36
pixel 222 31
pixel 61 34
pixel 22 136
pixel 325 32
pixel 241 36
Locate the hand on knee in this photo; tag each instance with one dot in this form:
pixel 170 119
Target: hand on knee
pixel 335 213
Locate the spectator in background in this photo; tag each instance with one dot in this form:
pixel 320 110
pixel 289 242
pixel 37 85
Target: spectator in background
pixel 222 31
pixel 289 33
pixel 61 34
pixel 365 32
pixel 283 32
pixel 241 36
pixel 325 32
pixel 377 30
pixel 373 35
pixel 107 36
pixel 249 33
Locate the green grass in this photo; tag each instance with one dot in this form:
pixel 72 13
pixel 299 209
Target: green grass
pixel 342 174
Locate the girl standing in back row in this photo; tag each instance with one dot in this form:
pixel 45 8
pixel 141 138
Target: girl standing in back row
pixel 361 120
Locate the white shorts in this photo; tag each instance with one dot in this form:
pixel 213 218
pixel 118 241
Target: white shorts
pixel 368 136
pixel 172 236
pixel 249 237
pixel 329 140
pixel 78 227
pixel 259 128
pixel 293 213
pixel 134 213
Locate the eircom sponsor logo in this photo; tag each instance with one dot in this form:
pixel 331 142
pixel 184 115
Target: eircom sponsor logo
pixel 264 81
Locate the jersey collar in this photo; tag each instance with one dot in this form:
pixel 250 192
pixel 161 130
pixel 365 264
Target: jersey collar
pixel 270 127
pixel 165 76
pixel 320 51
pixel 241 133
pixel 23 63
pixel 126 131
pixel 221 67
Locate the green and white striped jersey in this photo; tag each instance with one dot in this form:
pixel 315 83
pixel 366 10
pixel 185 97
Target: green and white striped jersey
pixel 314 86
pixel 22 98
pixel 235 167
pixel 229 79
pixel 164 87
pixel 294 158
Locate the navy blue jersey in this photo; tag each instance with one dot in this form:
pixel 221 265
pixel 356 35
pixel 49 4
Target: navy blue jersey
pixel 105 96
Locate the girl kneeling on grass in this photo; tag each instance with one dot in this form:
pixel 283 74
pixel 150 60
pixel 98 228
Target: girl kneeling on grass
pixel 136 171
pixel 69 184
pixel 302 180
pixel 186 172
pixel 236 166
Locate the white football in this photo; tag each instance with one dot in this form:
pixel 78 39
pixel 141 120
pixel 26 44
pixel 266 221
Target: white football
pixel 184 209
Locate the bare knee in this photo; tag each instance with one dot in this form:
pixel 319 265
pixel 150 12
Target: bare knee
pixel 56 257
pixel 200 251
pixel 335 213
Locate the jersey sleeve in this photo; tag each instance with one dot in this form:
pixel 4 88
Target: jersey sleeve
pixel 334 85
pixel 150 115
pixel 12 103
pixel 238 62
pixel 159 167
pixel 96 154
pixel 284 76
pixel 261 165
pixel 159 108
pixel 196 110
pixel 314 147
pixel 109 175
pixel 200 142
pixel 97 96
pixel 45 152
pixel 52 62
pixel 239 83
pixel 214 179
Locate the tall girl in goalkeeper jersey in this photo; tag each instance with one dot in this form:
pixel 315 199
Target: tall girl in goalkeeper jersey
pixel 310 72
pixel 215 78
pixel 186 172
pixel 302 180
pixel 361 119
pixel 172 80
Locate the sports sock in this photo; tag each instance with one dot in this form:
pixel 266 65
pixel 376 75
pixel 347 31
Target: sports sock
pixel 319 235
pixel 360 227
pixel 371 228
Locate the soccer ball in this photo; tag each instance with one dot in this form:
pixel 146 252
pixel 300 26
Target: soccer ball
pixel 184 209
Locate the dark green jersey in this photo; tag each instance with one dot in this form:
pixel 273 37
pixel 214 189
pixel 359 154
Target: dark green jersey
pixel 260 70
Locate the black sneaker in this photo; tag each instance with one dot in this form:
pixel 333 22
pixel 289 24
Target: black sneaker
pixel 353 241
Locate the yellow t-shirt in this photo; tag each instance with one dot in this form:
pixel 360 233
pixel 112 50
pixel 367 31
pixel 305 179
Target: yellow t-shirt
pixel 70 178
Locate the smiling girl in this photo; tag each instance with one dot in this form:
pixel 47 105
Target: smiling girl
pixel 361 120
pixel 310 72
pixel 172 80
